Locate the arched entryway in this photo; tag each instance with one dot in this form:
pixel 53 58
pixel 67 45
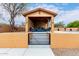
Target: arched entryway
pixel 39 26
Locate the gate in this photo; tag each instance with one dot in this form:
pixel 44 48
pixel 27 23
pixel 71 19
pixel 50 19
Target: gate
pixel 39 39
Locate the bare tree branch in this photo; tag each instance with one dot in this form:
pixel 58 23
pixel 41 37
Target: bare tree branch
pixel 13 9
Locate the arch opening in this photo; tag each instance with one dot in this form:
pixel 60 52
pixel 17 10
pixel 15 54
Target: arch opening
pixel 39 24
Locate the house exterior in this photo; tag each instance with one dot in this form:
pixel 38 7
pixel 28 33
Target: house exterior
pixel 39 30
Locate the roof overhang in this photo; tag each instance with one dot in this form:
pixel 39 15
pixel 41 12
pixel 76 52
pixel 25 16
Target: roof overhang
pixel 39 9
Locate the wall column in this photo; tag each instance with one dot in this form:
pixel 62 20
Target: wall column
pixel 52 24
pixel 52 32
pixel 26 27
pixel 26 31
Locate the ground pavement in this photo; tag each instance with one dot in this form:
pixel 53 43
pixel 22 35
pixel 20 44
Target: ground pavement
pixel 33 50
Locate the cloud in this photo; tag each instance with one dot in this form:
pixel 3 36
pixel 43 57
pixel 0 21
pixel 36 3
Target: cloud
pixel 43 5
pixel 4 15
pixel 68 16
pixel 19 20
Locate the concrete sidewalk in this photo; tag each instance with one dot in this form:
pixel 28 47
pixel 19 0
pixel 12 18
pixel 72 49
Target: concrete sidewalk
pixel 31 51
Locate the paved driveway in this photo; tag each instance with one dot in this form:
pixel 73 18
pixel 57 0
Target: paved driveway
pixel 31 51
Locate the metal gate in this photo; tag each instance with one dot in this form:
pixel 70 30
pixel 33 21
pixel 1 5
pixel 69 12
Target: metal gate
pixel 39 39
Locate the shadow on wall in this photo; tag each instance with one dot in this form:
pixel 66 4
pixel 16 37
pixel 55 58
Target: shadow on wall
pixel 66 51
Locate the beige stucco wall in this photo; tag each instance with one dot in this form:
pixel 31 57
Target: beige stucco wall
pixel 59 40
pixel 65 40
pixel 60 29
pixel 36 14
pixel 66 29
pixel 13 40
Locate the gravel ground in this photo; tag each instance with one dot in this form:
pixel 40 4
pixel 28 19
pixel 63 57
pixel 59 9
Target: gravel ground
pixel 66 51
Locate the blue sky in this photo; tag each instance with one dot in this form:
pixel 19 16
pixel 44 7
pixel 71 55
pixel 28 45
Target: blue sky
pixel 60 6
pixel 67 12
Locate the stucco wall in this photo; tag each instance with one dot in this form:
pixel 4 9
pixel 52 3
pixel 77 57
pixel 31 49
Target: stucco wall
pixel 65 40
pixel 20 40
pixel 36 14
pixel 13 40
pixel 66 29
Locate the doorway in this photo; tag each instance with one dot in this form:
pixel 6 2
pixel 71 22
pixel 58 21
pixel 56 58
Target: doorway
pixel 39 31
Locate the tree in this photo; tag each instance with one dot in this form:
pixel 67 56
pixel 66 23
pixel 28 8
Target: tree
pixel 74 24
pixel 13 9
pixel 59 24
